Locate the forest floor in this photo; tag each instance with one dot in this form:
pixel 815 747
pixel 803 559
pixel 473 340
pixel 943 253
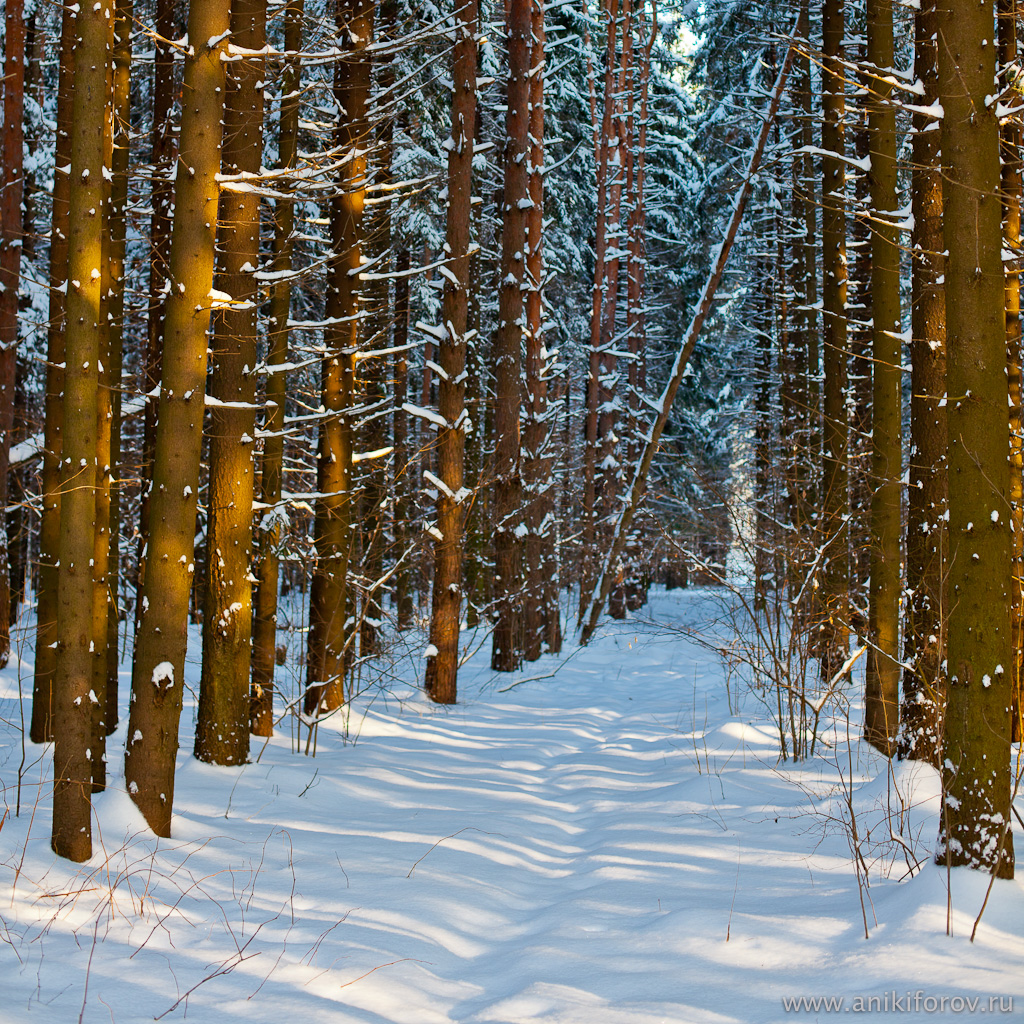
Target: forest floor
pixel 614 840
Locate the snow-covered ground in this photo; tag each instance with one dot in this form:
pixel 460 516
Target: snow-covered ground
pixel 607 843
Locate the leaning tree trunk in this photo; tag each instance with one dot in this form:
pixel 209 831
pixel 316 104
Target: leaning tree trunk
pixel 222 727
pixel 452 504
pixel 506 650
pixel 73 699
pixel 924 643
pixel 974 822
pixel 158 668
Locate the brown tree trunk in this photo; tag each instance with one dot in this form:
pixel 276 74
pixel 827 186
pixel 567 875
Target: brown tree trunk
pixel 881 701
pixel 974 821
pixel 264 640
pixel 835 503
pixel 537 484
pixel 452 503
pixel 588 560
pixel 404 456
pixel 506 650
pixel 927 546
pixel 164 148
pixel 11 192
pixel 329 635
pixel 1012 139
pixel 121 102
pixel 49 528
pixel 159 664
pixel 222 727
pixel 74 700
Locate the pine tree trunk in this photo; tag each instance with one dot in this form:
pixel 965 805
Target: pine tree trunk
pixel 329 635
pixel 834 531
pixel 49 528
pixel 1012 140
pixel 537 484
pixel 506 650
pixel 927 546
pixel 73 702
pixel 974 822
pixel 164 147
pixel 159 664
pixel 881 702
pixel 590 511
pixel 452 504
pixel 404 456
pixel 269 535
pixel 222 727
pixel 121 102
pixel 10 273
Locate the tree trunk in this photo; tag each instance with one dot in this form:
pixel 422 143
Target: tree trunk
pixel 833 642
pixel 452 504
pixel 222 728
pixel 49 528
pixel 1012 140
pixel 974 823
pixel 506 650
pixel 159 664
pixel 269 535
pixel 329 635
pixel 164 148
pixel 74 700
pixel 881 702
pixel 404 456
pixel 10 273
pixel 924 642
pixel 538 603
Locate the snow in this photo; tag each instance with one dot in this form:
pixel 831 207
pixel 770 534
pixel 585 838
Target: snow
pixel 607 837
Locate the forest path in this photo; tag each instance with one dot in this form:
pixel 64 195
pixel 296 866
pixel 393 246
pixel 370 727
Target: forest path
pixel 610 845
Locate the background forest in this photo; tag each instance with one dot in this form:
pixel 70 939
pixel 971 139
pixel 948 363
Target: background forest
pixel 331 330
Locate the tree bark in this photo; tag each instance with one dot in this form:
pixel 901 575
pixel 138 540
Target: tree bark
pixel 881 702
pixel 222 727
pixel 159 663
pixel 330 635
pixel 974 822
pixel 74 699
pixel 269 535
pixel 834 536
pixel 927 545
pixel 452 497
pixel 49 528
pixel 506 650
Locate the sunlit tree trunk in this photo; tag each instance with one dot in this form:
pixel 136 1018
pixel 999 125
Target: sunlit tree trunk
pixel 329 635
pixel 158 667
pixel 73 699
pixel 222 726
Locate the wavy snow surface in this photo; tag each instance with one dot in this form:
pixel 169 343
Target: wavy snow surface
pixel 604 843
